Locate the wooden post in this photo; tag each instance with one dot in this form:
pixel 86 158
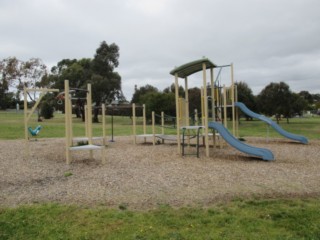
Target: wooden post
pixel 67 120
pixel 89 103
pixel 26 136
pixel 232 102
pixel 212 95
pixel 237 111
pixel 205 109
pixel 202 107
pixel 177 113
pixel 225 106
pixel 187 122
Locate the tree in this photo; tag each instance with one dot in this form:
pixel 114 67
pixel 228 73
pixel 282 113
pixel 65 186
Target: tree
pixel 106 59
pixel 9 72
pixel 194 100
pixel 308 98
pixel 246 96
pixel 47 110
pixel 4 86
pixel 299 104
pixel 99 71
pixel 139 93
pixel 172 88
pixel 276 99
pixel 78 72
pixel 105 82
pixel 159 102
pixel 19 74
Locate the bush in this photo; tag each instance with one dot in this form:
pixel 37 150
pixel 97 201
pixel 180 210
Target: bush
pixel 46 111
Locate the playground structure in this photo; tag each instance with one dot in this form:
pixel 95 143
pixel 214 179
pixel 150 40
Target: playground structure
pixel 185 71
pixel 271 123
pixel 88 125
pixel 68 121
pixel 154 135
pixel 28 114
pixel 221 98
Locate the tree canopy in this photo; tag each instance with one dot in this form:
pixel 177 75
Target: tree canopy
pixel 99 71
pixel 246 96
pixel 18 74
pixel 277 99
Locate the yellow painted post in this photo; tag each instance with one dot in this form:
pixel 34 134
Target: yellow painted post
pixel 237 111
pixel 212 95
pixel 213 112
pixel 134 131
pixel 89 106
pixel 103 152
pixel 182 111
pixel 177 112
pixel 202 108
pixel 67 120
pixel 219 95
pixel 187 121
pixel 232 102
pixel 89 103
pixel 205 108
pixel 225 106
pixel 70 120
pixel 26 136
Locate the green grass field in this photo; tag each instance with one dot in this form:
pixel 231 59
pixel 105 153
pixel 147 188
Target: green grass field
pixel 12 127
pixel 239 219
pixel 260 219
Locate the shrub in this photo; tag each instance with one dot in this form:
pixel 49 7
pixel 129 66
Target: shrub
pixel 47 110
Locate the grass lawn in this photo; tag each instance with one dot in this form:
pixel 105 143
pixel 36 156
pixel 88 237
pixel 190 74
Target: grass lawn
pixel 260 219
pixel 238 219
pixel 12 127
pixel 308 127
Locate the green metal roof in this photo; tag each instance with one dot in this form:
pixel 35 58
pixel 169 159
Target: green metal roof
pixel 187 69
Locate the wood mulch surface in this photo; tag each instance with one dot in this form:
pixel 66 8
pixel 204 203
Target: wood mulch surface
pixel 143 176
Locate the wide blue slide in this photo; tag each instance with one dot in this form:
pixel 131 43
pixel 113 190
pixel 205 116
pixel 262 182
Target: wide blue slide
pixel 263 153
pixel 276 127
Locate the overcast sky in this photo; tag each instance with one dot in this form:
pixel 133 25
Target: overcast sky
pixel 266 40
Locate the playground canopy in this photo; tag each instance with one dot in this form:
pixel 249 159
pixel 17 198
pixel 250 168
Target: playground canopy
pixel 190 68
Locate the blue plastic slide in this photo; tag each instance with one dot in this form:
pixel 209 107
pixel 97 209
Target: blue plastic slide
pixel 276 127
pixel 263 153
